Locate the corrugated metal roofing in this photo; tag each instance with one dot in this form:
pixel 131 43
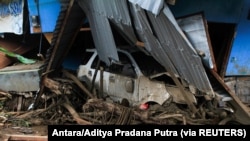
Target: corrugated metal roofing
pixel 195 29
pixel 162 36
pixel 165 42
pixel 155 6
pixel 100 15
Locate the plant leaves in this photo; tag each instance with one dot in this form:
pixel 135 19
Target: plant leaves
pixel 17 56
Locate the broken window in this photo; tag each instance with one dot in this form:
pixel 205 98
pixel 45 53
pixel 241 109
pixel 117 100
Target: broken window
pixel 148 65
pixel 124 67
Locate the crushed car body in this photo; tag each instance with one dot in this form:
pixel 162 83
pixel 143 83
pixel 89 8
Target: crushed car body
pixel 123 80
pixel 126 79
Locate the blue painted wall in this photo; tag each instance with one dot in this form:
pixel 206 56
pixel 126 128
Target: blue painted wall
pixel 227 11
pixel 239 59
pixel 48 13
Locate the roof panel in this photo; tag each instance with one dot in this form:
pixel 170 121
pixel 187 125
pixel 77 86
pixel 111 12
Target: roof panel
pixel 168 45
pixel 100 14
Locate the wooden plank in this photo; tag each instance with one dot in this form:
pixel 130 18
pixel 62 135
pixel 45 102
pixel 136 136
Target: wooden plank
pixel 27 138
pixel 85 29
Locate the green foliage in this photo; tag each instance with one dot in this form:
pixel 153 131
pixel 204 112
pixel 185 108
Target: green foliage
pixel 17 56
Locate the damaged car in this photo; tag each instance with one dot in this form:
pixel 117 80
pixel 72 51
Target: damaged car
pixel 137 78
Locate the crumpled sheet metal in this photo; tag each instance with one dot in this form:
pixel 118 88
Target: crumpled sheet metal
pixel 162 36
pixel 155 6
pixel 170 47
pixel 195 30
pixel 100 15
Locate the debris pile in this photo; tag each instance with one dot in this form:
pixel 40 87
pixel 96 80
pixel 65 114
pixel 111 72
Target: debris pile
pixel 66 101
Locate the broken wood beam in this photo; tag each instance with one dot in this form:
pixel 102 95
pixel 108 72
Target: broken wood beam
pixel 73 112
pixel 75 115
pixel 78 83
pixel 54 86
pixel 5 93
pixel 241 111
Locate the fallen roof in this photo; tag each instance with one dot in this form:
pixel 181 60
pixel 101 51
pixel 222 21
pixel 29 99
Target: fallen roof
pixel 169 46
pixel 161 34
pixel 101 14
